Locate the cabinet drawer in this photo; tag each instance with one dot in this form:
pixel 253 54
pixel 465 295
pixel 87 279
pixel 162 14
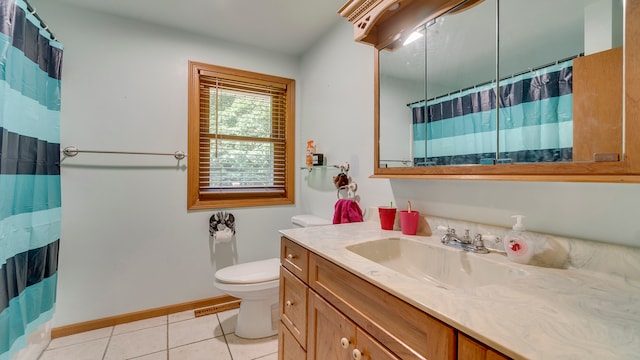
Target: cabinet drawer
pixel 293 305
pixel 405 330
pixel 294 258
pixel 288 347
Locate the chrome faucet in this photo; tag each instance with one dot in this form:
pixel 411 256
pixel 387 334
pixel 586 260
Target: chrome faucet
pixel 466 242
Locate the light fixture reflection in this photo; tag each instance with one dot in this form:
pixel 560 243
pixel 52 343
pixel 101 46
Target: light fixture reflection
pixel 413 37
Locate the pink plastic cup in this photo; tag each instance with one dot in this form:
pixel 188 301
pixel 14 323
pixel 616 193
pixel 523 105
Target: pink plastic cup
pixel 409 221
pixel 387 217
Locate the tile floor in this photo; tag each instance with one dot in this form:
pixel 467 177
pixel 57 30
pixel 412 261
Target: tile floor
pixel 174 337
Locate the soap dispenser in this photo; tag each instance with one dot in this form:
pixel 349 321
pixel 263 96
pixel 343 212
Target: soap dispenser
pixel 517 243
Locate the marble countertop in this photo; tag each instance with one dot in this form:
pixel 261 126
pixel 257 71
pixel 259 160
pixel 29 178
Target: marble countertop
pixel 548 314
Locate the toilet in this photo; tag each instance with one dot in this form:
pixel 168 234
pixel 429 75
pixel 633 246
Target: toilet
pixel 256 284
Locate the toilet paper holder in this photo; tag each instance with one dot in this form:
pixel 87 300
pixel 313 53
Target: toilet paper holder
pixel 222 227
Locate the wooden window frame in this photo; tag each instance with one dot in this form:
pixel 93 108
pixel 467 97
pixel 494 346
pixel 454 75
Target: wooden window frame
pixel 198 198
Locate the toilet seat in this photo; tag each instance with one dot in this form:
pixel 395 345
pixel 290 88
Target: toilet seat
pixel 247 290
pixel 250 273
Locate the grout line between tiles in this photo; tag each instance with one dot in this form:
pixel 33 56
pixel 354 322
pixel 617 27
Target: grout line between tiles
pixel 265 355
pixel 226 342
pixel 225 336
pixel 104 353
pixel 168 323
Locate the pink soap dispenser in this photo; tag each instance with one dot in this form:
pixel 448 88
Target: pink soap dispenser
pixel 517 243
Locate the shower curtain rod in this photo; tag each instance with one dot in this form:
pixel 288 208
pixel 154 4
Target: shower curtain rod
pixel 504 78
pixel 72 151
pixel 32 11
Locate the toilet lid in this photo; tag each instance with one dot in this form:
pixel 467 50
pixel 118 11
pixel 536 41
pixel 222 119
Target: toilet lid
pixel 252 272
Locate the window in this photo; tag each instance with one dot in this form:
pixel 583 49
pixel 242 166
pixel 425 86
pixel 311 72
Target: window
pixel 241 138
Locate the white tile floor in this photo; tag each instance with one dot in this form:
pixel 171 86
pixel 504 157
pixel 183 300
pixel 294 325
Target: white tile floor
pixel 174 337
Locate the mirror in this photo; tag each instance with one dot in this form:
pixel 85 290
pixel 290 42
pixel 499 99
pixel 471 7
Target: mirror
pixel 558 68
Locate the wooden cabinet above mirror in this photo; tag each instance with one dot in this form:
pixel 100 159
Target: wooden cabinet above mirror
pixel 600 140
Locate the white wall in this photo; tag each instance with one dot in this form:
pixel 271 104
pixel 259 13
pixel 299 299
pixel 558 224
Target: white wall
pixel 601 212
pixel 128 242
pixel 337 112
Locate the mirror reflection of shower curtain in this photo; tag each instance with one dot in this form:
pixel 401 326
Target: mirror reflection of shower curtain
pixel 536 120
pixel 30 197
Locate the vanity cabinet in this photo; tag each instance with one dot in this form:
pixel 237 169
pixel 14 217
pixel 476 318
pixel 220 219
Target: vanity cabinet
pixel 292 336
pixel 470 349
pixel 328 312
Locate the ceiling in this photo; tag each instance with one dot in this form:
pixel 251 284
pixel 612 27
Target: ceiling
pixel 285 26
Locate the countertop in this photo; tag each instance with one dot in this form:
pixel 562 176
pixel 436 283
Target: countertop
pixel 548 314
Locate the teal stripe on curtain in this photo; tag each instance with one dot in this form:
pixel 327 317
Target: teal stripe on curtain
pixel 26 313
pixel 484 121
pixel 29 231
pixel 30 195
pixel 47 93
pixel 24 118
pixel 466 144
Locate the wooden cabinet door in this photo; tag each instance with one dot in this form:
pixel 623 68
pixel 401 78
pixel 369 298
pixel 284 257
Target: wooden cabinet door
pixel 370 349
pixel 330 334
pixel 470 349
pixel 288 347
pixel 334 336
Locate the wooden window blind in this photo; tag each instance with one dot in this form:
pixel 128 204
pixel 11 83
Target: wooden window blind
pixel 244 138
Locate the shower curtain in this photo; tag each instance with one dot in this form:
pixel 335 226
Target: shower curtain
pixel 30 205
pixel 536 121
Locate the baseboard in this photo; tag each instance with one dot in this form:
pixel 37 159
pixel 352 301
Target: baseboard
pixel 139 315
pixel 217 308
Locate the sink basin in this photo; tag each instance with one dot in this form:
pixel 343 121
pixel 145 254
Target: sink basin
pixel 446 267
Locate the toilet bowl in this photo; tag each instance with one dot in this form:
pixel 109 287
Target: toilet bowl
pixel 256 284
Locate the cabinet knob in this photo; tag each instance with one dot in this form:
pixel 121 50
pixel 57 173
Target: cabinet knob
pixel 291 256
pixel 356 354
pixel 288 303
pixel 344 342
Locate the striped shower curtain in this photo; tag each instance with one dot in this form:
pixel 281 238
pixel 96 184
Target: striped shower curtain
pixel 30 206
pixel 536 121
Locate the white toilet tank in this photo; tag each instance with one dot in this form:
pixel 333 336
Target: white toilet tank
pixel 307 220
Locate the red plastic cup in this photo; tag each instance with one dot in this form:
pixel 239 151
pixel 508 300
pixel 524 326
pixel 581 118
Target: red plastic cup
pixel 409 221
pixel 387 217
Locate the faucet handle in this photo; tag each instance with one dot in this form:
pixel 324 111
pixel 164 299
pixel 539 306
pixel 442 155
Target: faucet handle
pixel 478 241
pixel 478 244
pixel 449 232
pixel 467 237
